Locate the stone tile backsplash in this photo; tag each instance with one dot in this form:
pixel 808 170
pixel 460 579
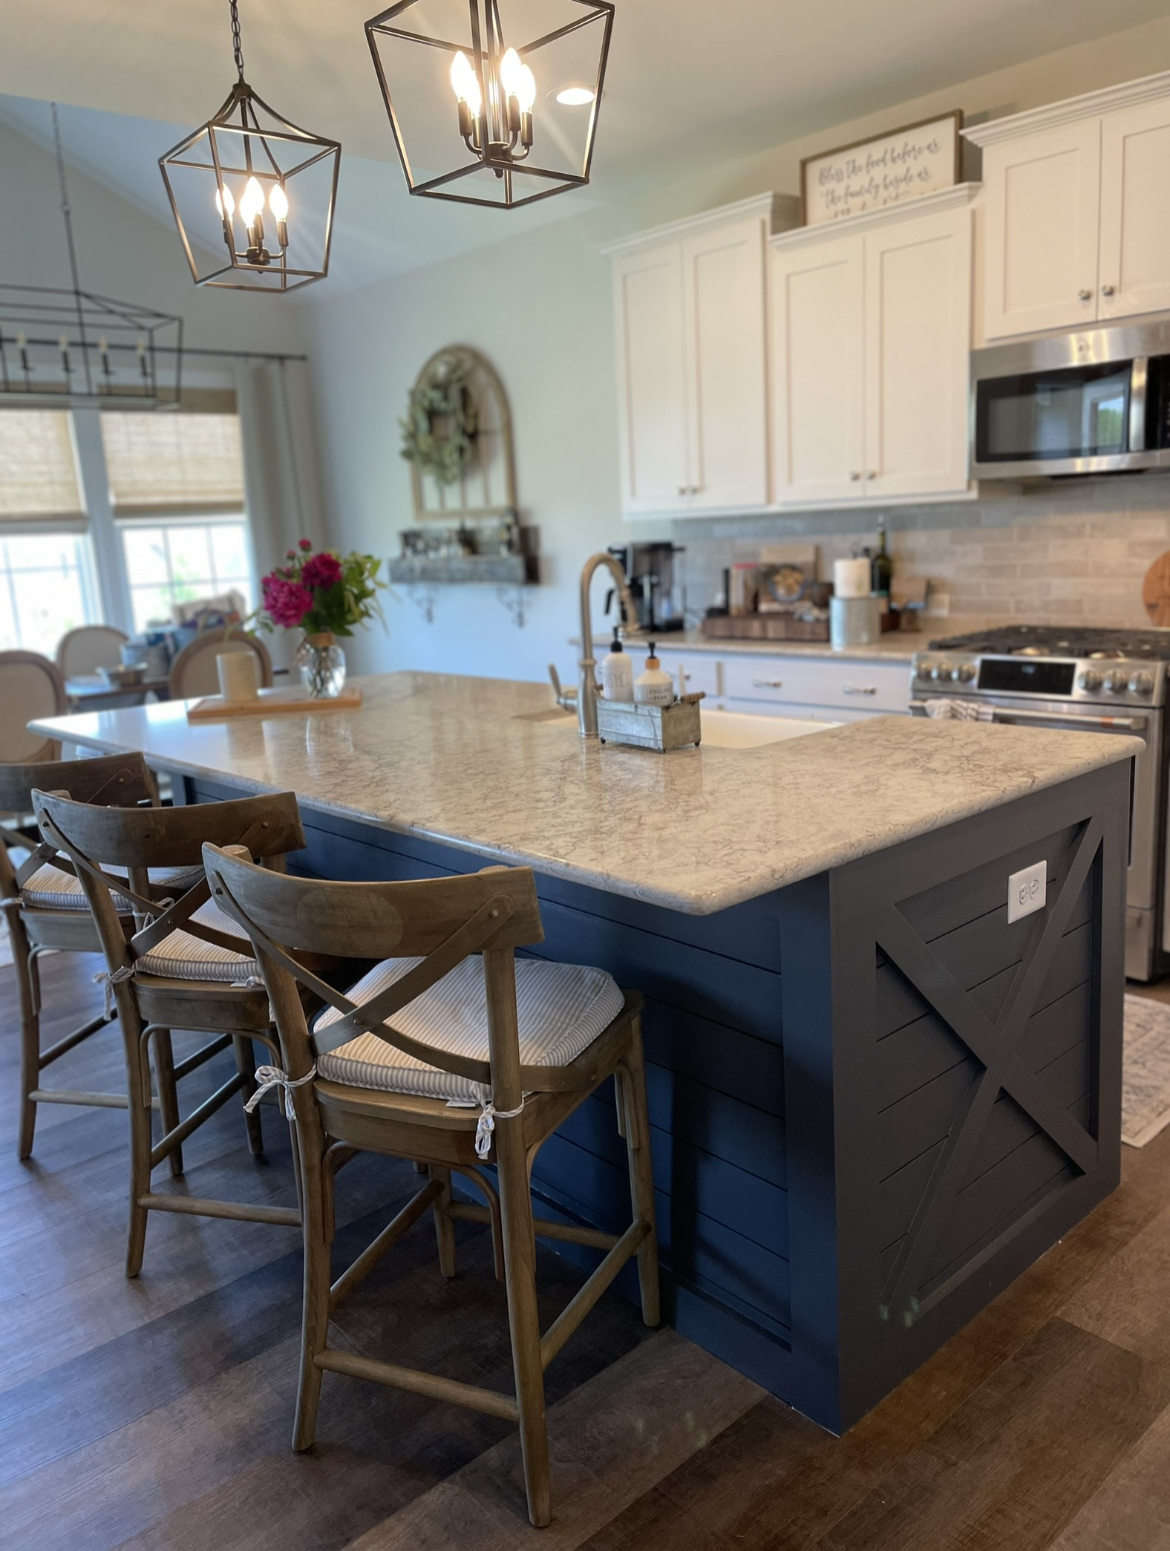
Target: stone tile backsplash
pixel 1064 551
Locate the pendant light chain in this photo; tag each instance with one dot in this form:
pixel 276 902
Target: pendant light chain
pixel 66 213
pixel 237 45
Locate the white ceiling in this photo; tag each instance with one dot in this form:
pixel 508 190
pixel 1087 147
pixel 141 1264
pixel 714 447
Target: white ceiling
pixel 688 79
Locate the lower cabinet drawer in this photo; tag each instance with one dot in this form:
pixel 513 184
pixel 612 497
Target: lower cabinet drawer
pixel 852 685
pixel 797 709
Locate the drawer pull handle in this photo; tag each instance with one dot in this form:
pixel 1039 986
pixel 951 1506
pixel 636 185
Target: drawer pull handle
pixel 859 689
pixel 768 683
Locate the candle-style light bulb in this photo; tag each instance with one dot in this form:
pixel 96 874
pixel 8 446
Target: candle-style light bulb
pixel 466 83
pixel 510 68
pixel 526 90
pixel 251 204
pixel 278 204
pixel 225 202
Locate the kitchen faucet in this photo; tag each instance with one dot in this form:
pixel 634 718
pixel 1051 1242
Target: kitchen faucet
pixel 588 687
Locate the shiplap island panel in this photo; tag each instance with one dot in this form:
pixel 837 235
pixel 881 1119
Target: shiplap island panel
pixel 873 1101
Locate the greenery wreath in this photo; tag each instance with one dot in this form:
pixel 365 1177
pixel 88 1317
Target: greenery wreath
pixel 442 419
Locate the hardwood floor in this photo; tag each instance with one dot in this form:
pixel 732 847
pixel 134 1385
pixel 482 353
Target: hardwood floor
pixel 157 1413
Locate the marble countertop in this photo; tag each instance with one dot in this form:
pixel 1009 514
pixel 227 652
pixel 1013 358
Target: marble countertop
pixel 896 647
pixel 494 767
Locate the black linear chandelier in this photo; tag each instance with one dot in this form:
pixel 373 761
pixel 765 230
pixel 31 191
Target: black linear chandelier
pixel 245 161
pixel 68 347
pixel 522 147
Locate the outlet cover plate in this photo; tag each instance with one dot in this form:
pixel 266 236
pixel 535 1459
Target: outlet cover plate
pixel 1027 891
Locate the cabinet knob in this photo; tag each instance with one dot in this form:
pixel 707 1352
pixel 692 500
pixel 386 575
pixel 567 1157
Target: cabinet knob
pixel 1085 294
pixel 1108 290
pixel 682 489
pixel 871 473
pixel 854 473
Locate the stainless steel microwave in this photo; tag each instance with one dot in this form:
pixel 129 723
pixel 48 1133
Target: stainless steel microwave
pixel 1085 401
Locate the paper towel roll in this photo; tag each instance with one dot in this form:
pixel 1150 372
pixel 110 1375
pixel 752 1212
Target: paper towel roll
pixel 852 578
pixel 239 675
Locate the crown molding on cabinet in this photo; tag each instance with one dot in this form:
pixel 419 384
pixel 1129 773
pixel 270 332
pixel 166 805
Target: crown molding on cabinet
pixel 1129 94
pixel 779 210
pixel 955 198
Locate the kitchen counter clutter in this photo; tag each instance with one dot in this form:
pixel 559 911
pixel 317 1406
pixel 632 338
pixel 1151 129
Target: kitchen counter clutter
pixel 486 764
pixel 876 1094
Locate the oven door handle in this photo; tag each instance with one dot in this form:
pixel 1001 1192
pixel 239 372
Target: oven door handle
pixel 1078 723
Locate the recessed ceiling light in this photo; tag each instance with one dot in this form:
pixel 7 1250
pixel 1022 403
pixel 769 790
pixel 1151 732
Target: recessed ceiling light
pixel 575 96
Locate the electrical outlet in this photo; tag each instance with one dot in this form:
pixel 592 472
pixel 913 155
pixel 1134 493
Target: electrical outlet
pixel 1027 891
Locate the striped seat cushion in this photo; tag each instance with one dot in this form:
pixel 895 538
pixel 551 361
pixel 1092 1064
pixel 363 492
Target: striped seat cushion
pixel 51 889
pixel 180 956
pixel 562 1009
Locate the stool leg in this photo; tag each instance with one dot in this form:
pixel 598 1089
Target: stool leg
pixel 245 1053
pixel 641 1172
pixel 139 1110
pixel 444 1226
pixel 30 1035
pixel 315 1181
pixel 523 1319
pixel 168 1097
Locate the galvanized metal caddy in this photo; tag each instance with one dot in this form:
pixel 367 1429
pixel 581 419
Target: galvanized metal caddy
pixel 658 727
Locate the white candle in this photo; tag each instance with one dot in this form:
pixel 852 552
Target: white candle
pixel 852 578
pixel 239 676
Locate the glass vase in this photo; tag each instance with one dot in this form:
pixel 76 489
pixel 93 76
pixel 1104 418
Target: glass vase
pixel 322 666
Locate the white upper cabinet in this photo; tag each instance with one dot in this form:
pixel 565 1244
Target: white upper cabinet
pixel 818 354
pixel 870 341
pixel 917 343
pixel 1043 216
pixel 1077 212
pixel 1135 210
pixel 651 398
pixel 690 337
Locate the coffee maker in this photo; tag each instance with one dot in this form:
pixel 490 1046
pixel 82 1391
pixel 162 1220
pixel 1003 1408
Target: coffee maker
pixel 653 582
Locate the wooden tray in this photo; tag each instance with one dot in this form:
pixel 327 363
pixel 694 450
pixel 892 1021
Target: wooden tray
pixel 272 702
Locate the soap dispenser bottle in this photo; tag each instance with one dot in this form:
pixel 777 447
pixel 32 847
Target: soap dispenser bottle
pixel 654 687
pixel 617 673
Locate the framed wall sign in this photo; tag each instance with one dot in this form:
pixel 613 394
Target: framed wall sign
pixel 887 170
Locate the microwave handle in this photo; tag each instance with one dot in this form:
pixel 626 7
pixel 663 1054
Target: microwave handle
pixel 1138 384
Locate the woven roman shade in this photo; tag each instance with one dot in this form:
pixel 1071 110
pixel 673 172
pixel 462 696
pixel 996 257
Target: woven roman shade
pixel 171 465
pixel 38 472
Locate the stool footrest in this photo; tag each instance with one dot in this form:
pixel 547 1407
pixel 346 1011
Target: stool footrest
pixel 451 1390
pixel 236 1211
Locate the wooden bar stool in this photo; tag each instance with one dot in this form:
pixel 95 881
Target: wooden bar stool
pixel 453 1054
pixel 47 912
pixel 185 966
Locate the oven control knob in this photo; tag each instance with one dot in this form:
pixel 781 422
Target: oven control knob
pixel 940 671
pixel 1141 684
pixel 964 673
pixel 1115 682
pixel 1088 678
pixel 925 668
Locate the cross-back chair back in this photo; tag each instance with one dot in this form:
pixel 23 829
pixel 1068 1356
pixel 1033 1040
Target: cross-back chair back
pixel 441 922
pixel 153 976
pixel 46 909
pixel 194 670
pixel 89 647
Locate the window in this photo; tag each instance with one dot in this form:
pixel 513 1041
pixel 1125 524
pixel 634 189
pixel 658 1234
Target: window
pixel 47 583
pixel 177 490
pixel 177 562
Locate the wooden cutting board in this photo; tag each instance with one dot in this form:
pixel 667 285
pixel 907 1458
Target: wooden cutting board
pixel 271 702
pixel 1156 590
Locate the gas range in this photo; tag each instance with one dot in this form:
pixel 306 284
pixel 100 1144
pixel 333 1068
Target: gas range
pixel 1087 680
pixel 1081 665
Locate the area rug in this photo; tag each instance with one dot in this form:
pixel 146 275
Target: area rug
pixel 1145 1087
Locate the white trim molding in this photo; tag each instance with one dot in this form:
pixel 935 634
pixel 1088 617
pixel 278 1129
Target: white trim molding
pixel 779 210
pixel 1129 94
pixel 956 198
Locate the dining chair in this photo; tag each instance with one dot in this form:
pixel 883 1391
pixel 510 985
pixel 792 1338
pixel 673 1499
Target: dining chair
pixel 184 966
pixel 456 1055
pixel 87 648
pixel 193 671
pixel 30 687
pixel 46 910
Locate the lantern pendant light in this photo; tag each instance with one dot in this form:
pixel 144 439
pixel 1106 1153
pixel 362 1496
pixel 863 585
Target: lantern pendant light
pixel 253 195
pixel 494 113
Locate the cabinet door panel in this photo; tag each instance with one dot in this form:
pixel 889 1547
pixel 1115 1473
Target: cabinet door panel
pixel 917 339
pixel 1043 206
pixel 651 399
pixel 723 303
pixel 1135 211
pixel 817 300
